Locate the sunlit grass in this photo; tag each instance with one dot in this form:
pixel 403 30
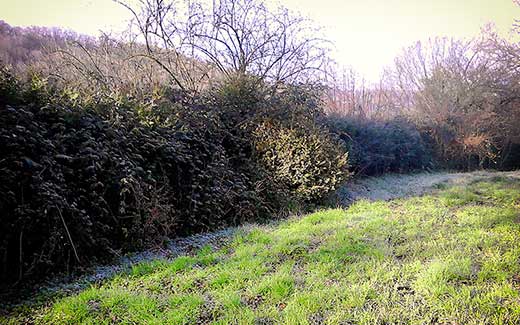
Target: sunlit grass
pixel 449 257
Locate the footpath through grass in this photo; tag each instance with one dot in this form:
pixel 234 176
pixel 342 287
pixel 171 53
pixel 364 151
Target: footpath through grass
pixel 452 257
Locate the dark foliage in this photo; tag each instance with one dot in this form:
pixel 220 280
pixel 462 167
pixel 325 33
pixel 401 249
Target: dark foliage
pixel 77 187
pixel 83 181
pixel 377 147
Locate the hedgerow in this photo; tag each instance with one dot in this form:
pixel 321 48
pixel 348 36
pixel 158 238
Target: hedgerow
pixel 85 179
pixel 377 147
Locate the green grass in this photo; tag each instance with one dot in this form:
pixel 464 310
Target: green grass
pixel 452 257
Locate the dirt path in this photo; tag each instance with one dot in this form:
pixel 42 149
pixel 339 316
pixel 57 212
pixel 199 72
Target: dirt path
pixel 392 186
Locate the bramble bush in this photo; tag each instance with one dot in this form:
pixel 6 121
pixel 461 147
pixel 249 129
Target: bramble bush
pixel 87 178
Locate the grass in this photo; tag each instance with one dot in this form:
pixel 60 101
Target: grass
pixel 452 257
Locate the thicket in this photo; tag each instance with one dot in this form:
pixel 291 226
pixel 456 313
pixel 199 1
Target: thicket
pixel 460 101
pixel 116 144
pixel 467 103
pixel 376 147
pixel 84 179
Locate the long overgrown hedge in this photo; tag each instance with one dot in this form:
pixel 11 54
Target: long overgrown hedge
pixel 399 145
pixel 84 180
pixel 377 147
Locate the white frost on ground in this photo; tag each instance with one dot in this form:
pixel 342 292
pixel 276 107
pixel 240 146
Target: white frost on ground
pixel 175 248
pixel 393 186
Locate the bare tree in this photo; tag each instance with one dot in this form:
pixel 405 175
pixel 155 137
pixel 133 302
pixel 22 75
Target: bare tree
pixel 245 36
pixel 231 37
pixel 349 94
pixel 160 25
pixel 460 92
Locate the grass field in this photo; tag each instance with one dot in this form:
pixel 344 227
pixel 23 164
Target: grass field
pixel 451 257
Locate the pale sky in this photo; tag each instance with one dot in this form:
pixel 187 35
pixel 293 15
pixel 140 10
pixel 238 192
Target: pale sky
pixel 367 34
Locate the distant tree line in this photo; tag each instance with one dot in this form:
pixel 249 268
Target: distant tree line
pixel 463 96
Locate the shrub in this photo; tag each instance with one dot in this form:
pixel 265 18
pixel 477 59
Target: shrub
pixel 308 162
pixel 376 147
pixel 280 131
